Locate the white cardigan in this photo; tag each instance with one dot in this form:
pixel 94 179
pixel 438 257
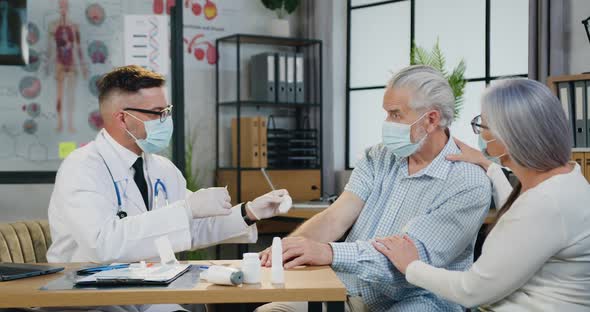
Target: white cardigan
pixel 537 258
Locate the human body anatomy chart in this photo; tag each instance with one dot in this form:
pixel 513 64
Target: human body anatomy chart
pixel 53 100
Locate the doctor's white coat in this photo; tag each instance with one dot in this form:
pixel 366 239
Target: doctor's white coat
pixel 83 207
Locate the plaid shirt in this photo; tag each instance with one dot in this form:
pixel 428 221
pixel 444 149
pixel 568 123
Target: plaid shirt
pixel 441 208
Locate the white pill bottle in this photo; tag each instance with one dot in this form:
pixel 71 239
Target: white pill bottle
pixel 251 267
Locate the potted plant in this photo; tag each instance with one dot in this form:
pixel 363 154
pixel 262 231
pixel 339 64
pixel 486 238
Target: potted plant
pixel 435 58
pixel 280 26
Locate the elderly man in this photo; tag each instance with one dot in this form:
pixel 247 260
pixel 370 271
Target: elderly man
pixel 403 186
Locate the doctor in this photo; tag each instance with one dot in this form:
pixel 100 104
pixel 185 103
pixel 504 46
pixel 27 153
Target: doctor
pixel 114 196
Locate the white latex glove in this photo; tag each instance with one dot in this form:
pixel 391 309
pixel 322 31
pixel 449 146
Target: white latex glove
pixel 267 205
pixel 210 202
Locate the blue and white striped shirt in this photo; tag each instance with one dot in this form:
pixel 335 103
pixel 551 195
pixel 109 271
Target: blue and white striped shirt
pixel 441 208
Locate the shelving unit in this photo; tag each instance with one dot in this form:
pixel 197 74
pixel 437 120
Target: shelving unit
pixel 234 101
pixel 580 154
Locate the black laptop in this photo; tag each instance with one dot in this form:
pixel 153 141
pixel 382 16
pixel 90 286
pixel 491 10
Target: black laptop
pixel 12 271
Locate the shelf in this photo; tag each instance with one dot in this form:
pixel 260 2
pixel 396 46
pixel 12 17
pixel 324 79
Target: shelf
pixel 269 104
pixel 268 169
pixel 268 40
pixel 580 149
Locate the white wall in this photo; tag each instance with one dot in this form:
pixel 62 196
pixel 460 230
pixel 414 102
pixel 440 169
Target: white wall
pixel 24 202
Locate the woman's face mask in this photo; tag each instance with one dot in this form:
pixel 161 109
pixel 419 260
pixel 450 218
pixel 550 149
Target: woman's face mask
pixel 483 146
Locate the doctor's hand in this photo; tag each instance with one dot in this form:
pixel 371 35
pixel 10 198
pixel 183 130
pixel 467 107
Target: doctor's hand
pixel 209 202
pixel 470 155
pixel 400 251
pixel 267 205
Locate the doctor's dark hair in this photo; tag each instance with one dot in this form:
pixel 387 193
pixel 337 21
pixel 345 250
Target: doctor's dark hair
pixel 128 79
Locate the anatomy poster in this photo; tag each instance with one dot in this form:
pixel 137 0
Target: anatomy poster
pixel 51 103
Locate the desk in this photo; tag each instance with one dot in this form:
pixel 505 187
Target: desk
pixel 314 284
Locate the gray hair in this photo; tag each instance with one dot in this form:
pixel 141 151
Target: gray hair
pixel 430 90
pixel 525 116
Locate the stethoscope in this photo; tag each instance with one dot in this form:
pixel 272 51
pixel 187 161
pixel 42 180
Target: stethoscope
pixel 156 192
pixel 120 212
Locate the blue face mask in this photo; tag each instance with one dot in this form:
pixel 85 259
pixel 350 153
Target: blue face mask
pixel 397 138
pixel 483 147
pixel 158 135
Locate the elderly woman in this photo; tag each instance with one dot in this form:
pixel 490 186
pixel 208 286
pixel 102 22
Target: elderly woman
pixel 537 256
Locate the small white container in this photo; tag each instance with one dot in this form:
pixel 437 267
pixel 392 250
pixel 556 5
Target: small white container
pixel 251 267
pixel 221 275
pixel 276 270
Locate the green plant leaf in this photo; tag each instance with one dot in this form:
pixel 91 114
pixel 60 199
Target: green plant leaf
pixel 290 5
pixel 272 4
pixel 191 176
pixel 199 254
pixel 436 59
pixel 423 57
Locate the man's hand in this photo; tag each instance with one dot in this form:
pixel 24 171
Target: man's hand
pixel 400 251
pixel 302 251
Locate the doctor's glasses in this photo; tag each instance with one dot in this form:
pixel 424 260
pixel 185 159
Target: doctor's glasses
pixel 164 114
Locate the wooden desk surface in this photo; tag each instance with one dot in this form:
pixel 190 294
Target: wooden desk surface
pixel 307 213
pixel 302 213
pixel 303 284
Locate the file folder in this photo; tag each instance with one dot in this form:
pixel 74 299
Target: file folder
pixel 565 96
pixel 290 78
pixel 580 113
pixel 263 82
pixel 263 142
pixel 282 74
pixel 249 149
pixel 299 79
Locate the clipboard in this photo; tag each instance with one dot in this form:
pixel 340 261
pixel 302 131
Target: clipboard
pixel 158 275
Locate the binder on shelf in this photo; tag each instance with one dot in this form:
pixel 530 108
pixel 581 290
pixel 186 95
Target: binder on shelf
pixel 263 82
pixel 262 142
pixel 282 75
pixel 290 77
pixel 299 80
pixel 580 113
pixel 565 96
pixel 249 144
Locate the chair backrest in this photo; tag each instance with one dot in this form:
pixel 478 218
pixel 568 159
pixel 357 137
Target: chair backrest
pixel 24 242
